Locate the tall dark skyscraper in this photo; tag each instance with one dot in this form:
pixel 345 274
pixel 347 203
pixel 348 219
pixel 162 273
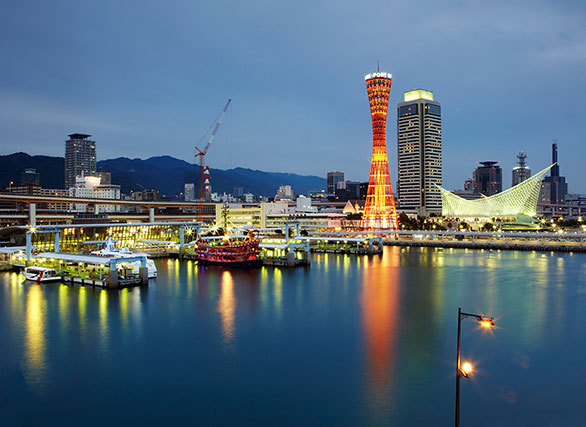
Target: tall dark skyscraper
pixel 488 179
pixel 80 158
pixel 554 184
pixel 419 146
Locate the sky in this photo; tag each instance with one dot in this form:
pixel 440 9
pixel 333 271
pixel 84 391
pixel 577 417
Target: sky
pixel 147 78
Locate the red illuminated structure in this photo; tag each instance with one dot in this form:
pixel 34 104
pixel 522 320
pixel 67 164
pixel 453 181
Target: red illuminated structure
pixel 379 210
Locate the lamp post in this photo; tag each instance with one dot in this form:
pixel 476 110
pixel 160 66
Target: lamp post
pixel 465 369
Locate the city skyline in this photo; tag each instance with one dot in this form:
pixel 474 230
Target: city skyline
pixel 164 78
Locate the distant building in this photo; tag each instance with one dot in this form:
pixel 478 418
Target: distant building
pixel 238 191
pixel 284 193
pixel 419 136
pixel 353 188
pixel 317 194
pixel 189 192
pixel 333 179
pixel 105 177
pixel 469 184
pixel 148 195
pixel 304 205
pixel 554 188
pixel 354 207
pixel 522 171
pixel 91 187
pixel 576 199
pixel 80 158
pixel 30 177
pixel 363 190
pixel 488 179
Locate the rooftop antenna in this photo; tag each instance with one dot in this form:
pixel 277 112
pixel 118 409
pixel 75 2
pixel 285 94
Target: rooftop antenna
pixel 378 65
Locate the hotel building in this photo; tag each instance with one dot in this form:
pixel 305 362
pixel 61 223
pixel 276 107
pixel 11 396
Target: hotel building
pixel 419 145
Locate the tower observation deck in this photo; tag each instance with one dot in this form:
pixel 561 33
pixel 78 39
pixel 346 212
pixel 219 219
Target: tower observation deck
pixel 379 209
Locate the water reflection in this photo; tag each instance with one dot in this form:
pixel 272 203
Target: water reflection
pixel 226 307
pixel 35 337
pixel 380 293
pixel 103 308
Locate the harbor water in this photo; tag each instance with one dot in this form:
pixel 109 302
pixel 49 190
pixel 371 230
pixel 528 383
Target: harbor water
pixel 350 340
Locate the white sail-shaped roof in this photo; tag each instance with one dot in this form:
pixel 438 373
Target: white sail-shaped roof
pixel 517 200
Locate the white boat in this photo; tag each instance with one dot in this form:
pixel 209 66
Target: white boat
pixel 111 251
pixel 40 274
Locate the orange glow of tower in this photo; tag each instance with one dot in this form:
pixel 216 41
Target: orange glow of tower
pixel 379 210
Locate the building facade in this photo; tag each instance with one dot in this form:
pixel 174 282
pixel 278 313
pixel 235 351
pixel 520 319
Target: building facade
pixel 333 179
pixel 91 187
pixel 80 158
pixel 488 179
pixel 30 177
pixel 189 191
pixel 419 145
pixel 555 187
pixel 521 172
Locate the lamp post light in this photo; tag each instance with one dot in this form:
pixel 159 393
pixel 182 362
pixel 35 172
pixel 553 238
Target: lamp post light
pixel 465 369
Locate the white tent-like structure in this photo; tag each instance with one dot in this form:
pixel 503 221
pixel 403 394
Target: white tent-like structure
pixel 518 200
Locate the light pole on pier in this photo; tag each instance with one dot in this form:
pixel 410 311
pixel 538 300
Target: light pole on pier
pixel 465 369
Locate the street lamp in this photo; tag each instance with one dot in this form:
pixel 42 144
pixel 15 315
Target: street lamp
pixel 465 369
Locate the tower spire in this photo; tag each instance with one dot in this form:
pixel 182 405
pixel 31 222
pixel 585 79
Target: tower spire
pixel 379 209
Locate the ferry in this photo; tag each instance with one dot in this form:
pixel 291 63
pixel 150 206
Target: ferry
pixel 234 251
pixel 40 274
pixel 111 251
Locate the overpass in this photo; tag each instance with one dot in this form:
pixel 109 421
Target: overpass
pixel 33 200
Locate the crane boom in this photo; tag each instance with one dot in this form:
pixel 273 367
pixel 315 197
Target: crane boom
pixel 213 135
pixel 201 154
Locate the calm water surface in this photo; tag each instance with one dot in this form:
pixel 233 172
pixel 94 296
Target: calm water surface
pixel 349 341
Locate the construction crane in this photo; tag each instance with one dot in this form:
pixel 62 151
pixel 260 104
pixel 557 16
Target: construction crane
pixel 201 154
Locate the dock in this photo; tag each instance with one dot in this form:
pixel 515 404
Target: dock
pixel 91 269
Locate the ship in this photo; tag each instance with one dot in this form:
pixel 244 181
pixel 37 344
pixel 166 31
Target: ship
pixel 234 251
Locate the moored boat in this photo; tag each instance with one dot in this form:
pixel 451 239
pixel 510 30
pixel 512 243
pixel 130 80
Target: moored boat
pixel 110 250
pixel 40 274
pixel 236 252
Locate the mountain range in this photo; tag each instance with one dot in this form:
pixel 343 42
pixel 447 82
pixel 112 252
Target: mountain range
pixel 164 173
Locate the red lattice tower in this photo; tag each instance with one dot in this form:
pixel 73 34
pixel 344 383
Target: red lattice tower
pixel 379 210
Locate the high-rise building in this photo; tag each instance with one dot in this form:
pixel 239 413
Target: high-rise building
pixel 333 179
pixel 488 179
pixel 554 185
pixel 522 171
pixel 379 209
pixel 80 158
pixel 189 191
pixel 30 177
pixel 419 145
pixel 469 184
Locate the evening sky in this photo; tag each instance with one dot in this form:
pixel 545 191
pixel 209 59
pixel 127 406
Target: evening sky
pixel 148 77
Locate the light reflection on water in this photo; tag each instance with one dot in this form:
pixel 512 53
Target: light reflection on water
pixel 35 337
pixel 371 339
pixel 227 307
pixel 380 298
